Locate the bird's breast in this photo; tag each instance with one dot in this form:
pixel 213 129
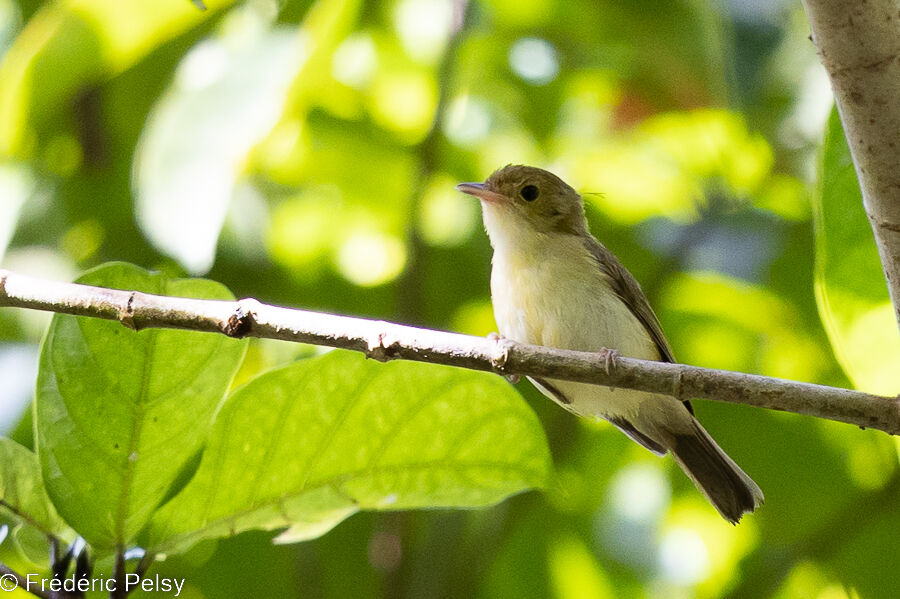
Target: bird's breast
pixel 561 298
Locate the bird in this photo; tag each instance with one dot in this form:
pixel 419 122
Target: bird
pixel 553 284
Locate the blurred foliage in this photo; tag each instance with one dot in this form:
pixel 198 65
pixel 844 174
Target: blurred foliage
pixel 304 152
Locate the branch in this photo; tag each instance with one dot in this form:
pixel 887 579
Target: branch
pixel 385 341
pixel 120 592
pixel 8 575
pixel 859 44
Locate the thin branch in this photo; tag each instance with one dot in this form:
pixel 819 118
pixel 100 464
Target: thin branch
pixel 60 563
pixel 83 570
pixel 143 565
pixel 54 551
pixel 385 341
pixel 120 591
pixel 8 575
pixel 859 44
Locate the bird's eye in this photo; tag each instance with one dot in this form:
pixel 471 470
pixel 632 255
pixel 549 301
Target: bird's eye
pixel 529 193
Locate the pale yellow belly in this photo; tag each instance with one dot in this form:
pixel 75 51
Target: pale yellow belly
pixel 562 305
pixel 567 307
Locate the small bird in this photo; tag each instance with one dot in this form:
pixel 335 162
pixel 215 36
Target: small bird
pixel 554 284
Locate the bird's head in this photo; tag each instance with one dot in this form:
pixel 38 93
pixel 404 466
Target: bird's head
pixel 521 200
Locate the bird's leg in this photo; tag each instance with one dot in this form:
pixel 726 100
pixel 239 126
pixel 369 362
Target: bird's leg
pixel 498 338
pixel 609 359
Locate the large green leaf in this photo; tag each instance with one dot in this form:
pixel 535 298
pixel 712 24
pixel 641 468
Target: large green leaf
pixel 22 492
pixel 850 286
pixel 119 413
pixel 307 445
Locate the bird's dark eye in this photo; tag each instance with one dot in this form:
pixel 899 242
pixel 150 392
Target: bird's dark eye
pixel 529 193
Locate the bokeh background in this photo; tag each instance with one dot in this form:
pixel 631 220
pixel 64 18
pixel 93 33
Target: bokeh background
pixel 304 153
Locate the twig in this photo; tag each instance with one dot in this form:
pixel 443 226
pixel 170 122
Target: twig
pixel 83 569
pixel 8 575
pixel 120 591
pixel 140 570
pixel 60 563
pixel 143 564
pixel 859 44
pixel 385 341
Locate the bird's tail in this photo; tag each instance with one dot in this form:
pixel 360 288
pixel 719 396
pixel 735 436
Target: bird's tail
pixel 715 474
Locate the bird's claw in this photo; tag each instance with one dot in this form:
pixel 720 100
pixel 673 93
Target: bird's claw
pixel 609 359
pixel 498 338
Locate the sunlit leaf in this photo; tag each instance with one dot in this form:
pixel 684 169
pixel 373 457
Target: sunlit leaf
pixel 119 412
pixel 443 219
pixel 850 287
pixel 71 43
pixel 403 101
pixel 424 26
pixel 305 446
pixel 806 579
pixel 22 492
pixel 324 26
pixel 669 161
pixel 720 546
pixel 16 185
pixel 228 93
pixel 724 322
pixel 34 546
pixel 10 21
pixel 575 572
pixel 352 214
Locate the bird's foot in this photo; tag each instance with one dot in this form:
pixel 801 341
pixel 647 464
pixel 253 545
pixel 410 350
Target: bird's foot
pixel 498 338
pixel 609 359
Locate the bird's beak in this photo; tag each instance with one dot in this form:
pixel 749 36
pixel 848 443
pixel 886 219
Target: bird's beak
pixel 481 191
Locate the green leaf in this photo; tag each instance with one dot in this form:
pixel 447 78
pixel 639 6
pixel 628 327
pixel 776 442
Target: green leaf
pixel 119 412
pixel 22 492
pixel 307 445
pixel 190 152
pixel 34 546
pixel 850 287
